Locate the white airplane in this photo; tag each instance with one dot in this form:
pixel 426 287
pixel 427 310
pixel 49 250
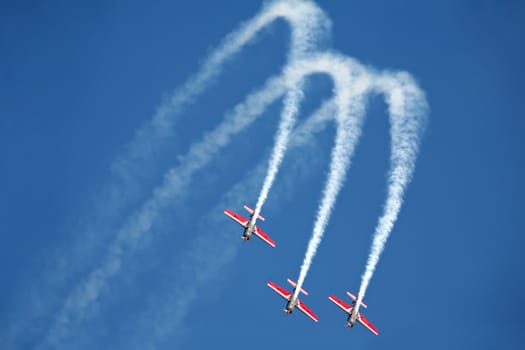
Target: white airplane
pixel 249 225
pixel 354 315
pixel 293 302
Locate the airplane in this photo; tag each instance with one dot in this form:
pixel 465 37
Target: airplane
pixel 353 314
pixel 293 302
pixel 249 225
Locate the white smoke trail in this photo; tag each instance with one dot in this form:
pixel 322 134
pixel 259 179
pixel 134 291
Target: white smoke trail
pixel 302 40
pixel 303 16
pixel 176 179
pixel 167 315
pixel 308 25
pixel 408 111
pixel 88 291
pixel 286 125
pixel 351 86
pixel 351 83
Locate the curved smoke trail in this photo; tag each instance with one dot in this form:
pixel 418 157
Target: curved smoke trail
pixel 138 225
pixel 303 42
pixel 168 314
pixel 408 111
pixel 308 24
pixel 407 107
pixel 351 84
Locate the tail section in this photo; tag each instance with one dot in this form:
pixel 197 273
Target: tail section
pixel 251 211
pixel 295 285
pixel 354 298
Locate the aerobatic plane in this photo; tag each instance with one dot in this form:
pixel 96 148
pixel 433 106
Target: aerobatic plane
pixel 353 314
pixel 249 225
pixel 293 302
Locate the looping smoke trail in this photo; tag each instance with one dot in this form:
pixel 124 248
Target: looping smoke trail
pixel 407 108
pixel 167 315
pixel 308 25
pixel 174 183
pixel 350 85
pixel 408 112
pixel 305 37
pixel 332 64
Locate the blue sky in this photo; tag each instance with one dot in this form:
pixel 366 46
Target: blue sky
pixel 79 80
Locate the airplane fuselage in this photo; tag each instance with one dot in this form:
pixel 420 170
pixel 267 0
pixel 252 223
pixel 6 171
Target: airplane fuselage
pixel 248 231
pixel 290 305
pixel 352 318
pixel 350 322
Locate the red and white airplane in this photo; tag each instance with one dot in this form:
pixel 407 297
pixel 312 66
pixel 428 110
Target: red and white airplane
pixel 293 302
pixel 249 225
pixel 353 314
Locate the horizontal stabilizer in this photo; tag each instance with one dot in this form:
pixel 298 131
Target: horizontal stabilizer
pixel 251 211
pixel 295 285
pixel 354 298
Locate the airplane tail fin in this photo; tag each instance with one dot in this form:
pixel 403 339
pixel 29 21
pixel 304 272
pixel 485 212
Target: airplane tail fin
pixel 354 298
pixel 292 282
pixel 251 211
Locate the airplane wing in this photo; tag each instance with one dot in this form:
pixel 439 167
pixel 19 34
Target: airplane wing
pixel 301 306
pixel 259 233
pixel 347 308
pixel 281 291
pixel 361 319
pixel 240 220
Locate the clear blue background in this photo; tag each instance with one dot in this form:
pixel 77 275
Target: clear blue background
pixel 77 80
